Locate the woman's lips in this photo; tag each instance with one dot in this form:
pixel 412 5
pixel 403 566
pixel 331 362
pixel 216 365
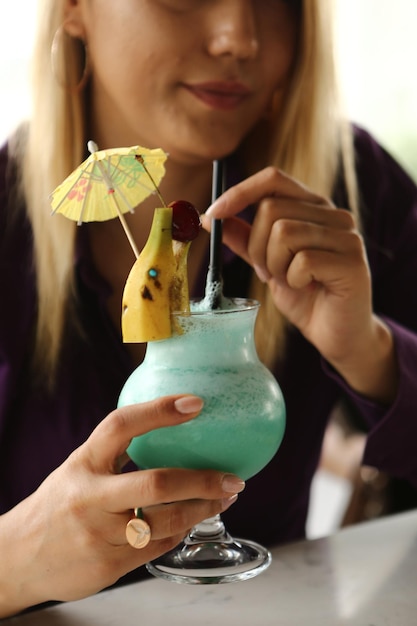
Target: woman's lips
pixel 219 95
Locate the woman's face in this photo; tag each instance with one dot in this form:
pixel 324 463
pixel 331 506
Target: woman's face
pixel 189 76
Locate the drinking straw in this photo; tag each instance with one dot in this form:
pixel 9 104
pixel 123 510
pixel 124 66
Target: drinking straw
pixel 214 284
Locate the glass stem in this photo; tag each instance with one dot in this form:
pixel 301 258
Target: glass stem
pixel 210 529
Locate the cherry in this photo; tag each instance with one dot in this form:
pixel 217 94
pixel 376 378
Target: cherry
pixel 185 221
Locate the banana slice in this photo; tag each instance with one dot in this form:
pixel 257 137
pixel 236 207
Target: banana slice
pixel 157 284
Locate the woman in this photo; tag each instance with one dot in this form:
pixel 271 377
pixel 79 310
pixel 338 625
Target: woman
pixel 254 82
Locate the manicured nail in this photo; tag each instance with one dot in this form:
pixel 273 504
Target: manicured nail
pixel 226 502
pixel 188 404
pixel 211 209
pixel 262 275
pixel 232 484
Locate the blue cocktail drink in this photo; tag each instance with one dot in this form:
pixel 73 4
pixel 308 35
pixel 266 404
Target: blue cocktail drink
pixel 212 354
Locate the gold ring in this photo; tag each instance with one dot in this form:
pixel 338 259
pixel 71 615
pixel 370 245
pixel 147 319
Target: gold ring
pixel 138 531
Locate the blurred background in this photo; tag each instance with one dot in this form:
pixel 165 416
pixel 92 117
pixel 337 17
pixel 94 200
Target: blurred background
pixel 377 54
pixel 377 50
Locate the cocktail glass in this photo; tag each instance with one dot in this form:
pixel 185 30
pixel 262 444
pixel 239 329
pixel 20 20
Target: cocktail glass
pixel 211 354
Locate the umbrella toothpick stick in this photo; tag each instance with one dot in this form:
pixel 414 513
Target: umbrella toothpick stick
pixel 93 148
pixel 139 158
pixel 125 226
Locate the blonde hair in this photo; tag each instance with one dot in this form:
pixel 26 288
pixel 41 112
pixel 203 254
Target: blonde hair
pixel 310 138
pixel 53 148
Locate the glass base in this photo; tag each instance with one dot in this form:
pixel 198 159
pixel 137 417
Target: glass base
pixel 209 556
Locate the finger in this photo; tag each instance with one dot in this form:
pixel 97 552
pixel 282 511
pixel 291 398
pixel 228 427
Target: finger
pixel 170 520
pixel 168 525
pixel 121 462
pixel 235 235
pixel 290 239
pixel 269 182
pixel 165 485
pixel 110 439
pixel 274 224
pixel 331 269
pixel 276 221
pixel 281 228
pixel 127 558
pixel 119 559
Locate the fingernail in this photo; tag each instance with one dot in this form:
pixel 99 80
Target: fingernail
pixel 188 404
pixel 209 212
pixel 232 484
pixel 226 502
pixel 205 220
pixel 261 274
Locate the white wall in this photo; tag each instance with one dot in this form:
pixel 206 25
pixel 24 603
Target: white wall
pixel 378 56
pixel 17 23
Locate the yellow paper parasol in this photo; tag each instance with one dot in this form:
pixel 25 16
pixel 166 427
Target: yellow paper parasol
pixel 110 183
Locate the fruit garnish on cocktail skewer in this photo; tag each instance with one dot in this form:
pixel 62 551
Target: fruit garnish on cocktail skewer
pixel 157 284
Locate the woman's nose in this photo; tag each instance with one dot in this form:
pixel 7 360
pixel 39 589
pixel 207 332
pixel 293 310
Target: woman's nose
pixel 233 29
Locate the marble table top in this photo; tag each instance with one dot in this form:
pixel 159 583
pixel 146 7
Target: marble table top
pixel 365 575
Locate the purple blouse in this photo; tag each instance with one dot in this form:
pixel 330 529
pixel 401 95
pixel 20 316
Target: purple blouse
pixel 39 430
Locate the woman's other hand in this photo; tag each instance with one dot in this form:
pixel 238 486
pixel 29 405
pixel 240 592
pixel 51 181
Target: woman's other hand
pixel 313 259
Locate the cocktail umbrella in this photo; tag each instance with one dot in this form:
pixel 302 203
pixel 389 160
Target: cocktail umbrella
pixel 110 183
